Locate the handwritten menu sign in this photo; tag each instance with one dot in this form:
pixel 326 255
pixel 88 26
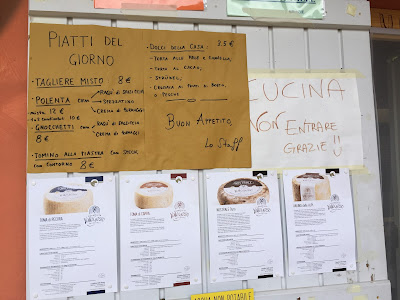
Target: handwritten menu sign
pixel 98 100
pixel 300 120
pixel 195 103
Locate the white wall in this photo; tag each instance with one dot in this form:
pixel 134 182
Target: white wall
pixel 339 42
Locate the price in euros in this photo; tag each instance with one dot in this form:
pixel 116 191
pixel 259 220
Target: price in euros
pixel 54 111
pixel 85 165
pixel 122 79
pixel 226 43
pixel 40 138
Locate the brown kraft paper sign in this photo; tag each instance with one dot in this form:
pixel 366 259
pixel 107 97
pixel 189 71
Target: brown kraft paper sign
pixel 106 99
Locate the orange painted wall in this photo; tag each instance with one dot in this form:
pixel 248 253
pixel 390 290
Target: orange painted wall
pixel 13 69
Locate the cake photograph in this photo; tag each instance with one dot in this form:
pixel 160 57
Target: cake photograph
pixel 311 187
pixel 67 199
pixel 242 191
pixel 154 194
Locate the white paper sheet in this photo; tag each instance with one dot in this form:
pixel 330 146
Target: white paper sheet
pixel 245 238
pixel 302 122
pixel 160 246
pixel 320 221
pixel 72 237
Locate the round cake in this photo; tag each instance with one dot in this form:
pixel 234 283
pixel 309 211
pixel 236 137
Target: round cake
pixel 67 199
pixel 242 191
pixel 154 194
pixel 311 186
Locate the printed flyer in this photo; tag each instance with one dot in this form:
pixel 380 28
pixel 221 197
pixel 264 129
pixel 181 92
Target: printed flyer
pixel 72 236
pixel 320 221
pixel 245 233
pixel 160 231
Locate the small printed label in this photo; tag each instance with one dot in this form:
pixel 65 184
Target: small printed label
pixel 307 191
pixel 335 204
pixel 243 187
pixel 261 208
pixel 153 188
pixel 179 212
pixel 94 216
pixel 238 294
pixel 66 193
pixel 307 185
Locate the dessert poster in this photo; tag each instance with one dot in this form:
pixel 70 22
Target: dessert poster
pixel 72 243
pixel 244 220
pixel 320 221
pixel 160 231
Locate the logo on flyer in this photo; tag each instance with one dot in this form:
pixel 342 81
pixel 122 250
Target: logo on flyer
pixel 335 204
pixel 179 212
pixel 94 216
pixel 261 208
pixel 335 198
pixel 179 205
pixel 261 201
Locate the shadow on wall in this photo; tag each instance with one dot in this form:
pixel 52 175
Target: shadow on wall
pixel 7 11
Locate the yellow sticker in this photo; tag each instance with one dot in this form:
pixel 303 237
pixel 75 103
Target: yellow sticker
pixel 230 295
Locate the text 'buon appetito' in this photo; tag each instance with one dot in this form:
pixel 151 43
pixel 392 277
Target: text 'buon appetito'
pixel 90 88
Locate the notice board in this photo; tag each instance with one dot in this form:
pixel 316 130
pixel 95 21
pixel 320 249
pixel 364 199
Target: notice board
pixel 272 47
